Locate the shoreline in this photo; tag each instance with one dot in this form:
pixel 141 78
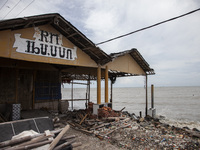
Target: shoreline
pixel 176 122
pixel 179 104
pixel 182 123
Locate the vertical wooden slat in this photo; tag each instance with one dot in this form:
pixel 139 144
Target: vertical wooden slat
pixel 72 94
pixel 89 89
pixel 106 85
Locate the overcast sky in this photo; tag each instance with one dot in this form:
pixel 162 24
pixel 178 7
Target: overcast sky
pixel 172 49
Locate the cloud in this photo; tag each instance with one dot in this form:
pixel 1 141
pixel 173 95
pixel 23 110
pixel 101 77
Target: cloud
pixel 172 49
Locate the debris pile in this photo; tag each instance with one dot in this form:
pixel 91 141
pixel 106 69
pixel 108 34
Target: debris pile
pixel 119 128
pixel 131 132
pixel 153 135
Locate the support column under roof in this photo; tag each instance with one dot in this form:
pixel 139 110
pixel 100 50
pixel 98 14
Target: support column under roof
pixel 106 85
pixel 99 85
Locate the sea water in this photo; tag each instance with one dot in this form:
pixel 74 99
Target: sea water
pixel 178 105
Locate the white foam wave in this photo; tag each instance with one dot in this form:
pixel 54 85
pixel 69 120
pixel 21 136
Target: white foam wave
pixel 180 122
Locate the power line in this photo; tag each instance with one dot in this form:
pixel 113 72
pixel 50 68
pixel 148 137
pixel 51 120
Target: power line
pixel 3 5
pixel 148 27
pixel 11 9
pixel 25 8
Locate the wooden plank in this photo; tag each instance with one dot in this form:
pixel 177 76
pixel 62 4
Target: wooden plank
pixel 24 139
pixel 64 144
pixel 74 145
pixel 57 139
pixel 15 141
pixel 83 119
pixel 101 126
pixel 34 145
pixel 68 137
pixel 34 140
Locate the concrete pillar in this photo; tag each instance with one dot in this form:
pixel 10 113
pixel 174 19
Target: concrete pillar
pixel 106 85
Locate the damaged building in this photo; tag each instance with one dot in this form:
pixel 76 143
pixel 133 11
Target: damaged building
pixel 39 53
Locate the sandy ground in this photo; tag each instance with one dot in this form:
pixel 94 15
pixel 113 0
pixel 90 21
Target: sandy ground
pixel 90 142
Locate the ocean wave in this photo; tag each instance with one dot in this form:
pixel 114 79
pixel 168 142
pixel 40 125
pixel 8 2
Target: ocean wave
pixel 180 122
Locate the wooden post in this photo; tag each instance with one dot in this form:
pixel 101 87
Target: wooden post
pixel 140 114
pixel 86 99
pixel 106 84
pixel 99 85
pixel 146 97
pixel 111 92
pixel 88 92
pixel 89 89
pixel 72 96
pixel 152 96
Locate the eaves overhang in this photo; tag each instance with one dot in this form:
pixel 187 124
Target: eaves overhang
pixel 64 27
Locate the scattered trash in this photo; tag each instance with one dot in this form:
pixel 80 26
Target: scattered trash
pixel 132 132
pixel 124 130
